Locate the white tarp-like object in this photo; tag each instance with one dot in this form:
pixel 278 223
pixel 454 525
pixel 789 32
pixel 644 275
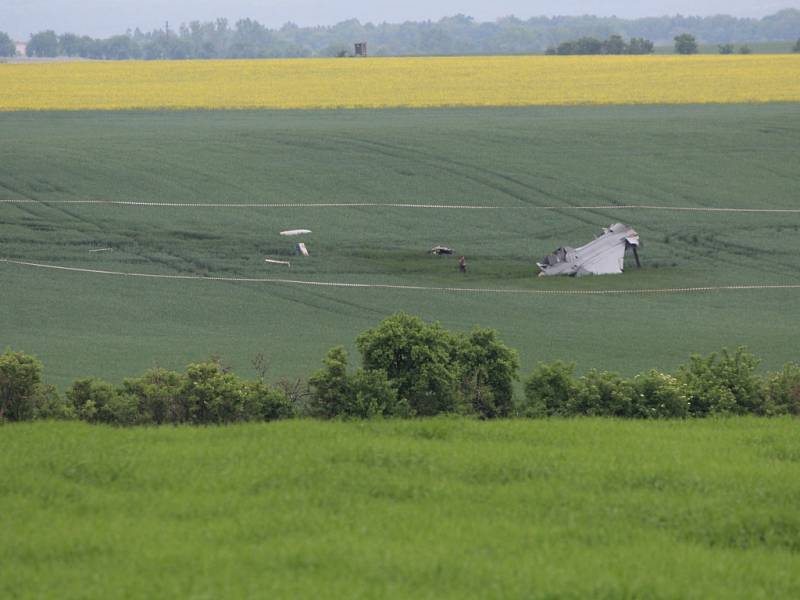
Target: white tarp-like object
pixel 295 232
pixel 604 255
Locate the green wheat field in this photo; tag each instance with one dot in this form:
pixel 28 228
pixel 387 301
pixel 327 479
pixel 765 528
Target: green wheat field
pixel 518 160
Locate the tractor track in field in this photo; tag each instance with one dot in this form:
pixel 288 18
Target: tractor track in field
pixel 402 205
pixel 416 288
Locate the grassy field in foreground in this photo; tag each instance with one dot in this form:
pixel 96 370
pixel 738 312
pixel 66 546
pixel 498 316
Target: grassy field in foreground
pixel 400 82
pixel 83 324
pixel 430 509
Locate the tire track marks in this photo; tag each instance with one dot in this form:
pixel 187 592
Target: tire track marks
pixel 416 288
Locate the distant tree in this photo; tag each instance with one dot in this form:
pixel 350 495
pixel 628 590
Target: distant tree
pixel 685 44
pixel 70 44
pixel 745 50
pixel 640 46
pixel 615 45
pixel 726 48
pixel 7 45
pixel 120 47
pixel 43 44
pixel 796 47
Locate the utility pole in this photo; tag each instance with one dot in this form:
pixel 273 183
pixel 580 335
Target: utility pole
pixel 166 28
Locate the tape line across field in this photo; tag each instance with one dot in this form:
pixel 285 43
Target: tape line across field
pixel 417 288
pixel 397 205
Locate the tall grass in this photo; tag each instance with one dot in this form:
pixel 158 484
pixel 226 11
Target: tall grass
pixel 437 508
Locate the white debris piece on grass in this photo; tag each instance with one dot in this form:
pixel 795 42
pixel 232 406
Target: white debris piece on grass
pixel 278 262
pixel 101 250
pixel 295 232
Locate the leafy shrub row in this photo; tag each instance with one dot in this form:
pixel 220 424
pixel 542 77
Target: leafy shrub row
pixel 409 368
pixel 722 383
pixel 206 393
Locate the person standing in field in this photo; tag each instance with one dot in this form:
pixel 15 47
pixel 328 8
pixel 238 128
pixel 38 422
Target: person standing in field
pixel 462 264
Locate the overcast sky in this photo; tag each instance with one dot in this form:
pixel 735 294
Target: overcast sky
pixel 20 18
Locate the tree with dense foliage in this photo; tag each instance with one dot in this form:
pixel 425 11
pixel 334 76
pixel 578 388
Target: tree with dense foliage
pixel 726 48
pixel 686 43
pixel 796 47
pixel 640 45
pixel 43 45
pixel 363 394
pixel 7 45
pixel 418 358
pixel 20 375
pixel 488 369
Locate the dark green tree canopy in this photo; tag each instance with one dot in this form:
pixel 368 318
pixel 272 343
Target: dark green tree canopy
pixel 685 43
pixel 7 45
pixel 615 44
pixel 43 45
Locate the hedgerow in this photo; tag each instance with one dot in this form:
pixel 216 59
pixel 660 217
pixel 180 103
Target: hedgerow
pixel 410 368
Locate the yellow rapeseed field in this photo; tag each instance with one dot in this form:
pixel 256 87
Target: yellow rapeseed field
pixel 397 82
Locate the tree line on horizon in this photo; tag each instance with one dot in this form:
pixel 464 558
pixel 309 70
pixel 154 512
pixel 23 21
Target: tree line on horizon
pixel 458 34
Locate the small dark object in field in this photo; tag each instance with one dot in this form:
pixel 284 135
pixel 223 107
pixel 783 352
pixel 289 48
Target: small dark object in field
pixel 441 250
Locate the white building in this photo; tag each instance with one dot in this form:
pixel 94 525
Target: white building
pixel 21 48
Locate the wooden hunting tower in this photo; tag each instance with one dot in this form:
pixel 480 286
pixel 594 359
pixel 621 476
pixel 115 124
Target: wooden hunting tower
pixel 361 48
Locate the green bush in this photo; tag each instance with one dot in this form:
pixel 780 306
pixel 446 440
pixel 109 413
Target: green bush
pixel 20 376
pixel 48 404
pixel 97 401
pixel 659 396
pixel 363 394
pixel 723 383
pixel 157 393
pixel 550 390
pixel 603 394
pixel 488 369
pixel 264 403
pixel 210 394
pixel 783 391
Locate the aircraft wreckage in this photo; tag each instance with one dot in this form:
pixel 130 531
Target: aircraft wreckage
pixel 604 255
